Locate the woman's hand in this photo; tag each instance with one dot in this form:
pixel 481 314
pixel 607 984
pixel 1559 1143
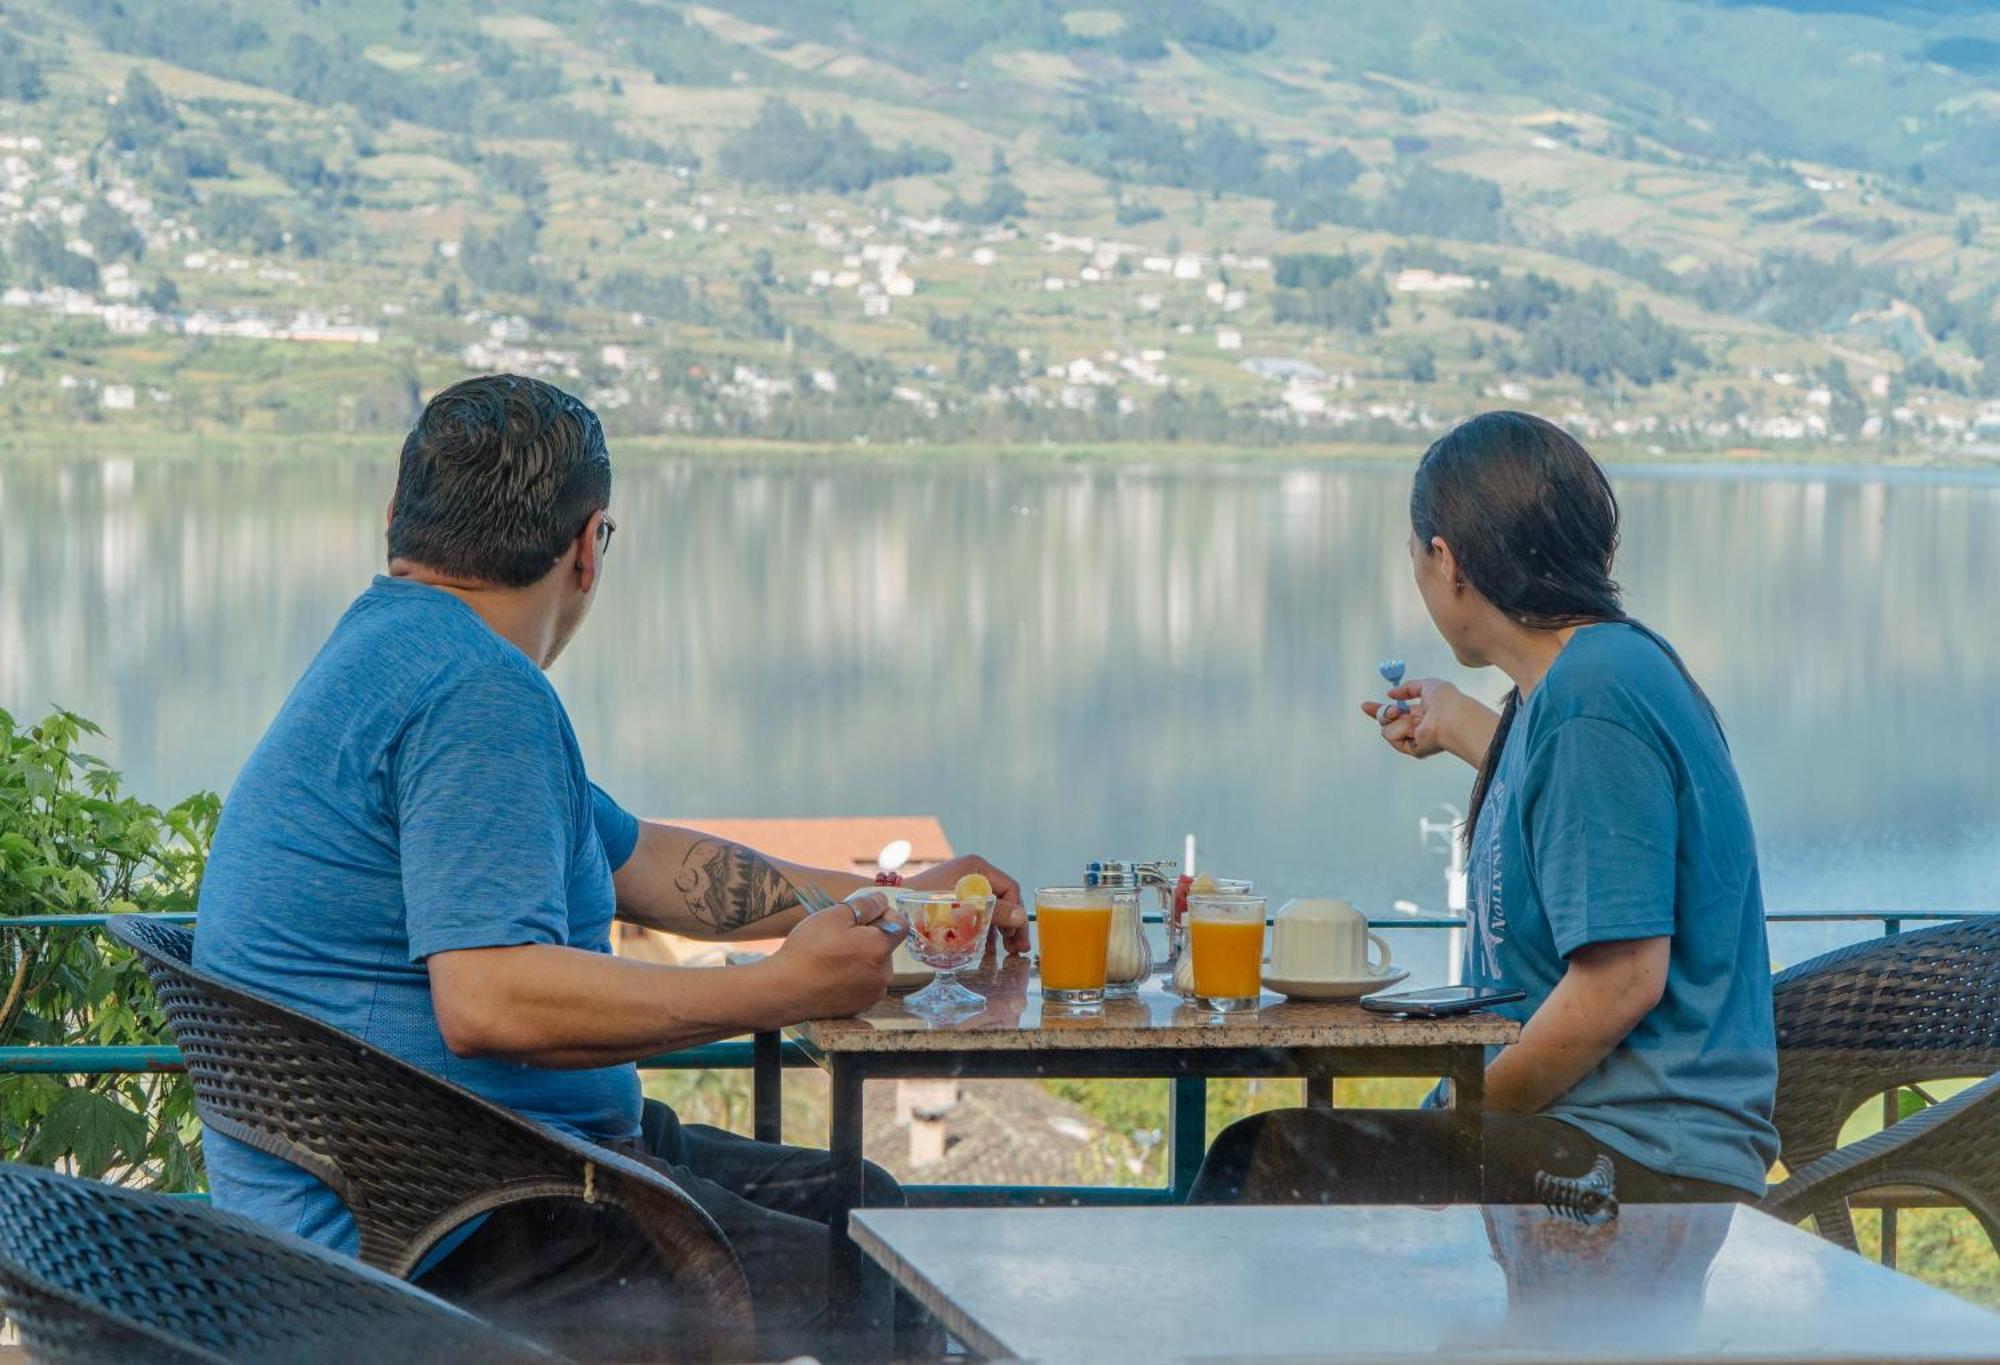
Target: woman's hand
pixel 1435 718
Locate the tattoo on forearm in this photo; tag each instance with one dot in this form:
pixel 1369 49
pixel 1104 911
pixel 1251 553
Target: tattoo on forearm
pixel 728 886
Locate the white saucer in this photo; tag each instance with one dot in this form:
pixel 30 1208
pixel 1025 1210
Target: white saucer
pixel 1350 988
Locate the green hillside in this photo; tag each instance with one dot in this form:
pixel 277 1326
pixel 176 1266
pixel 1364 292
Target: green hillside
pixel 1676 225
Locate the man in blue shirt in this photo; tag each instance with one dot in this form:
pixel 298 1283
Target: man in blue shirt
pixel 415 854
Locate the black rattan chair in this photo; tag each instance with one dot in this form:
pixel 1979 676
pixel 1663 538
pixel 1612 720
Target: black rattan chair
pixel 410 1155
pixel 1952 1148
pixel 94 1275
pixel 1859 1021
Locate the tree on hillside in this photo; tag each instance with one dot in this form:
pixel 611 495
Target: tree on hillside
pixel 143 117
pixel 517 175
pixel 1003 200
pixel 41 261
pixel 663 298
pixel 240 223
pixel 1316 189
pixel 109 232
pixel 504 259
pixel 20 75
pixel 1585 335
pixel 1438 203
pixel 1514 300
pixel 786 150
pixel 1311 269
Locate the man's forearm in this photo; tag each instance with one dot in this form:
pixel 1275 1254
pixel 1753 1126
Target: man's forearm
pixel 544 1005
pixel 700 886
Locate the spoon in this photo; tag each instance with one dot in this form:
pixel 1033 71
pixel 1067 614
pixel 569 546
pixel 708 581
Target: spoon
pixel 1392 674
pixel 889 862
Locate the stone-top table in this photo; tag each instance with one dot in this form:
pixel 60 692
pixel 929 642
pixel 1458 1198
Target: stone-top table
pixel 1151 1035
pixel 1462 1283
pixel 1018 1020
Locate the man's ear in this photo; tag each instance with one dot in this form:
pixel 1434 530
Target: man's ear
pixel 589 552
pixel 390 520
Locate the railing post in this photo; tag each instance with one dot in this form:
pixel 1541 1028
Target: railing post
pixel 1187 1134
pixel 767 1079
pixel 1891 1111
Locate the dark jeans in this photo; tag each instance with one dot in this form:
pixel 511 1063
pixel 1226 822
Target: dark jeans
pixel 1398 1156
pixel 583 1279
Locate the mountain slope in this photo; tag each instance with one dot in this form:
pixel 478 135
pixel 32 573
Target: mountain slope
pixel 1147 220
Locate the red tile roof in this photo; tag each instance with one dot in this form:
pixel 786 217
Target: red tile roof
pixel 843 842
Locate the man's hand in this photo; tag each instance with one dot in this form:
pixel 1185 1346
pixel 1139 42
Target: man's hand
pixel 836 962
pixel 1435 718
pixel 1010 918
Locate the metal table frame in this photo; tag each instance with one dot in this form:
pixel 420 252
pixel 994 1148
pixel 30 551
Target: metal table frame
pixel 1462 1064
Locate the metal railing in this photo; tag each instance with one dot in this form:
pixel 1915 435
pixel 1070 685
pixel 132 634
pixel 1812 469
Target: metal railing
pixel 1187 1121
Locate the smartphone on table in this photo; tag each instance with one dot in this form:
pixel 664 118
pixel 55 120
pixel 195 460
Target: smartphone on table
pixel 1440 1002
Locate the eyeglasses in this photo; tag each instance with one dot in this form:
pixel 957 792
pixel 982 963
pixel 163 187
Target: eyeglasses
pixel 605 530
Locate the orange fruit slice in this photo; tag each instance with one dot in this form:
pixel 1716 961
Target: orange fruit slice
pixel 972 884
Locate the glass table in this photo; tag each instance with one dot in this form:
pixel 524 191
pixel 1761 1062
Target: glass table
pixel 1715 1282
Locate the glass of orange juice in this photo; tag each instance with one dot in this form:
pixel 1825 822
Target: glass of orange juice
pixel 1073 932
pixel 1226 937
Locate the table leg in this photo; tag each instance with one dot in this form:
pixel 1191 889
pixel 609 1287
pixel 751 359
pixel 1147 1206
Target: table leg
pixel 767 1088
pixel 1187 1133
pixel 1319 1092
pixel 1467 1075
pixel 844 1147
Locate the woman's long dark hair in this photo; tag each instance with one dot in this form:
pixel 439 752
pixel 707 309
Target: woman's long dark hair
pixel 1534 524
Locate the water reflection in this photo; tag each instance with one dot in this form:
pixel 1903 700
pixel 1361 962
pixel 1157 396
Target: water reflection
pixel 1066 661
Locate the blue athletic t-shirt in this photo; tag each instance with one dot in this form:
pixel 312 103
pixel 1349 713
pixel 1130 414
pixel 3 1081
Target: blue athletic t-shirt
pixel 1615 814
pixel 420 791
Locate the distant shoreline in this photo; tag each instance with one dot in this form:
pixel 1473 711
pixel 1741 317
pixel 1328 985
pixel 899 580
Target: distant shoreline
pixel 1777 463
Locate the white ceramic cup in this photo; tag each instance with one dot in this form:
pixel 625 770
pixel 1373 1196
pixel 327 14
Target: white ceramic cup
pixel 1324 940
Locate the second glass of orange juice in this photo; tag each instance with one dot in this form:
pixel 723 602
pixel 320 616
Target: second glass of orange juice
pixel 1226 937
pixel 1073 934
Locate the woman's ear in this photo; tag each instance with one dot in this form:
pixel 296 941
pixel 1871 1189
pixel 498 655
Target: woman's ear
pixel 1447 564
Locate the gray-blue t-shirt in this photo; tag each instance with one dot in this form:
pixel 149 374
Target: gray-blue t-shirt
pixel 420 791
pixel 1615 814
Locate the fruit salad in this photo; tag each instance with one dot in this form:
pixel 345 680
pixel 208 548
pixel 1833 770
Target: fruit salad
pixel 949 931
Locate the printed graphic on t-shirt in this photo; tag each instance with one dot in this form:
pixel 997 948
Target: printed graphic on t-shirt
pixel 1489 906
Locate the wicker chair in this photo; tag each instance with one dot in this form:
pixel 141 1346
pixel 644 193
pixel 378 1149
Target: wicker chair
pixel 1858 1021
pixel 410 1155
pixel 94 1275
pixel 1953 1148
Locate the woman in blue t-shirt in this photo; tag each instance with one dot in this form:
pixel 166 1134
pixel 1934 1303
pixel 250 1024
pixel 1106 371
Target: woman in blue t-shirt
pixel 1613 868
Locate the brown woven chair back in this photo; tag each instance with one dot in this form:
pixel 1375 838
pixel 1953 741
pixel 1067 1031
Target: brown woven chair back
pixel 413 1156
pixel 94 1275
pixel 1898 1010
pixel 1858 1021
pixel 1952 1148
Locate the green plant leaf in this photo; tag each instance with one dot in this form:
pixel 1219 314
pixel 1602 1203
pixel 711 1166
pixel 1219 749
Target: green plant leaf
pixel 93 1128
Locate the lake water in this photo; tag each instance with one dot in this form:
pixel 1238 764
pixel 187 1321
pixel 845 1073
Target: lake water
pixel 1066 661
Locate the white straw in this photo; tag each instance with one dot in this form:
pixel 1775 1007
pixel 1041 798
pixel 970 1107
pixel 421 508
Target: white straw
pixel 1187 860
